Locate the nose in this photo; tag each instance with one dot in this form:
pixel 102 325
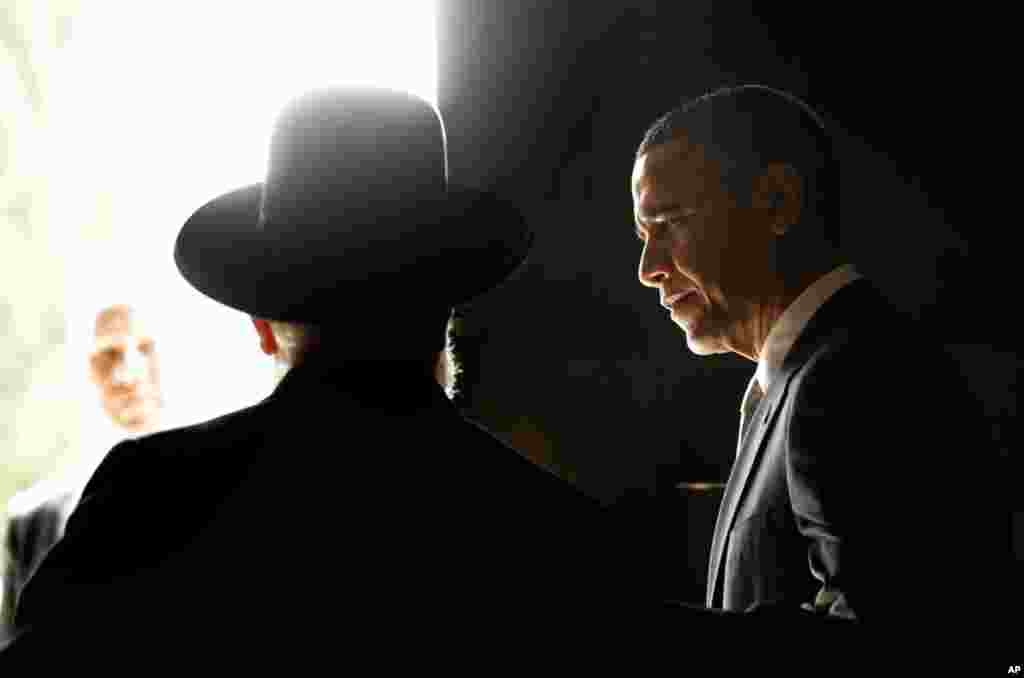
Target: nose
pixel 131 369
pixel 655 264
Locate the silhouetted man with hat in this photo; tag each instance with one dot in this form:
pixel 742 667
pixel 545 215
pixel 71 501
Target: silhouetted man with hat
pixel 353 508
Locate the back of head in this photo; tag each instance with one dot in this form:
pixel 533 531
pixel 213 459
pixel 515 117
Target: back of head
pixel 366 335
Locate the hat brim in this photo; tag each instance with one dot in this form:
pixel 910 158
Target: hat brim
pixel 443 255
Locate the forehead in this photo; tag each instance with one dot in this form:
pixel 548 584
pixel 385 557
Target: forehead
pixel 118 322
pixel 678 169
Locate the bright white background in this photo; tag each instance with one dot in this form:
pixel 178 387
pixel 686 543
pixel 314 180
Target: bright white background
pixel 142 111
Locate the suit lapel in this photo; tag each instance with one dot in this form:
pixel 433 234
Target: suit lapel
pixel 838 312
pixel 742 470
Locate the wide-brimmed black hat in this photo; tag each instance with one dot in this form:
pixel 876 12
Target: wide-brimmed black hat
pixel 355 212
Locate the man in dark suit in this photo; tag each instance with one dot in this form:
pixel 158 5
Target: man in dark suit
pixel 353 512
pixel 863 488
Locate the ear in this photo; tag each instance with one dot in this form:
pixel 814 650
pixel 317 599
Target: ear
pixel 94 375
pixel 268 342
pixel 779 191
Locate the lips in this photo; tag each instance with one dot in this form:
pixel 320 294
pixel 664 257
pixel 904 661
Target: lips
pixel 685 295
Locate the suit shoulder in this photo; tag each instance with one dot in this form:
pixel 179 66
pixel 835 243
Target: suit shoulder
pixel 180 443
pixel 169 438
pixel 504 465
pixel 864 345
pixel 856 335
pixel 887 359
pixel 48 495
pixel 157 460
pixel 482 437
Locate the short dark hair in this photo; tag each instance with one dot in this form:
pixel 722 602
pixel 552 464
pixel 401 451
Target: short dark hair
pixel 744 128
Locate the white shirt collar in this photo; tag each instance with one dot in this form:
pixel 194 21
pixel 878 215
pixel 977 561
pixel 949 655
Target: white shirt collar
pixel 794 319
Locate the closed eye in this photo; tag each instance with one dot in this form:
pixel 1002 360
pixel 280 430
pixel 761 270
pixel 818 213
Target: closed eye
pixel 681 217
pixel 651 230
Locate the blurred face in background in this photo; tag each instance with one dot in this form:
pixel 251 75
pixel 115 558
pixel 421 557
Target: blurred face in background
pixel 123 365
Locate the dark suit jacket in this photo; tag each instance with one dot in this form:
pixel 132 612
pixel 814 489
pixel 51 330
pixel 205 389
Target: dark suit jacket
pixel 354 508
pixel 29 537
pixel 866 487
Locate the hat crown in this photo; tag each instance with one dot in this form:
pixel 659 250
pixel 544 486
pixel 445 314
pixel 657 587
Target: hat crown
pixel 355 208
pixel 346 156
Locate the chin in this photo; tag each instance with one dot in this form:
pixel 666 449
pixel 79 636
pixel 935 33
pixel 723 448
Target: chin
pixel 698 339
pixel 704 345
pixel 137 420
pixel 129 425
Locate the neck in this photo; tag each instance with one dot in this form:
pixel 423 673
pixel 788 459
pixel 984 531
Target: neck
pixel 369 366
pixel 137 429
pixel 383 383
pixel 766 311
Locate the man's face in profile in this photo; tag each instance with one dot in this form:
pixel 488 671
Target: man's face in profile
pixel 123 365
pixel 700 249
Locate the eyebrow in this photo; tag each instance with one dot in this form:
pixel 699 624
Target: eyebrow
pixel 108 342
pixel 661 211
